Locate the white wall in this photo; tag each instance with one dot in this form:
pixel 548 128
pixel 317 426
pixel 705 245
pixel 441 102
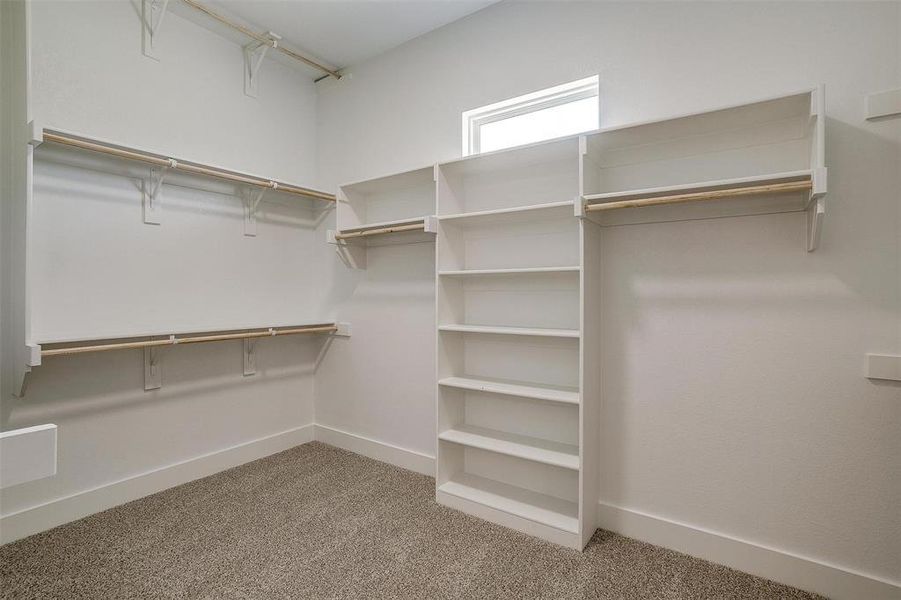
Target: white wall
pixel 5 189
pixel 734 399
pixel 13 108
pixel 99 270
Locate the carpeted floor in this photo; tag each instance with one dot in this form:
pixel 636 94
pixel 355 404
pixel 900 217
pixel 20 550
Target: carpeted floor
pixel 319 522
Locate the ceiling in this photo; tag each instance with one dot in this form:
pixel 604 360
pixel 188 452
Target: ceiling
pixel 346 32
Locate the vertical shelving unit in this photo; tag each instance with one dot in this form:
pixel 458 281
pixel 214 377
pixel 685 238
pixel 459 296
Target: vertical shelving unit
pixel 395 209
pixel 512 422
pixel 519 288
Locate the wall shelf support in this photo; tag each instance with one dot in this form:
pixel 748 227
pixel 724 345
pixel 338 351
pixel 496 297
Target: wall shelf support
pixel 816 212
pixel 254 53
pixel 251 200
pixel 152 14
pixel 152 188
pixel 153 374
pixel 250 357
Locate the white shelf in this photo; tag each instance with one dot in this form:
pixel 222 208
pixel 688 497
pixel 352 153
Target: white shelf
pixel 526 331
pixel 563 394
pixel 704 186
pixel 700 123
pixel 523 271
pixel 526 504
pixel 548 210
pixel 381 224
pixel 753 153
pixel 73 336
pixel 371 206
pixel 565 456
pixel 530 155
pixel 389 184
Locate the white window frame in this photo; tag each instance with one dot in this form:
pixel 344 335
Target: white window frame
pixel 474 119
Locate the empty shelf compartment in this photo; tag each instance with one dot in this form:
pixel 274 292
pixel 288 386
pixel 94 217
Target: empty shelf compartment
pixel 543 451
pixel 541 508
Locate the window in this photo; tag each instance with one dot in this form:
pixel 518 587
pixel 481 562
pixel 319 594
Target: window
pixel 558 111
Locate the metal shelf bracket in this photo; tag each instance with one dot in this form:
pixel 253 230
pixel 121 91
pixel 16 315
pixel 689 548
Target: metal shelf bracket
pixel 250 357
pixel 152 14
pixel 153 373
pixel 254 53
pixel 152 188
pixel 252 198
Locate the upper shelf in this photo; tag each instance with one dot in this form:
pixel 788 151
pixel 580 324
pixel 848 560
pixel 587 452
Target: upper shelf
pixel 509 179
pixel 387 200
pixel 735 118
pixel 621 197
pixel 41 135
pixel 352 243
pixel 394 209
pixel 385 228
pixel 756 158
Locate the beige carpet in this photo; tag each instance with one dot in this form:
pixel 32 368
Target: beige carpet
pixel 319 522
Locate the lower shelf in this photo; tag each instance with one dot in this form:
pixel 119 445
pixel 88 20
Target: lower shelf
pixel 546 452
pixel 526 504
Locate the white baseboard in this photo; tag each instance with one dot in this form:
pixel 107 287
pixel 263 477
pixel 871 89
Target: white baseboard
pixel 394 455
pixel 829 580
pixel 778 565
pixel 71 508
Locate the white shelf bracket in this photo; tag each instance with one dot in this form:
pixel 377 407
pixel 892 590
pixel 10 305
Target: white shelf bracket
pixel 152 14
pixel 579 207
pixel 352 255
pixel 32 359
pixel 816 208
pixel 35 134
pixel 33 355
pixel 250 357
pixel 152 192
pixel 153 373
pixel 252 199
pixel 254 53
pixel 815 214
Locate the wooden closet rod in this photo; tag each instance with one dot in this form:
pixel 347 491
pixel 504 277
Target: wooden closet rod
pixel 380 231
pixel 95 146
pixel 260 38
pixel 196 339
pixel 771 188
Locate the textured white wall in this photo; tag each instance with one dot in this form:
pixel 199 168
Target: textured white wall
pixel 733 392
pixel 97 264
